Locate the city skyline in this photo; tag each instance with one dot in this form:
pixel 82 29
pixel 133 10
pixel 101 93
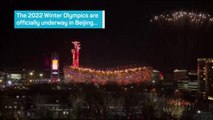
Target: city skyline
pixel 128 39
pixel 148 60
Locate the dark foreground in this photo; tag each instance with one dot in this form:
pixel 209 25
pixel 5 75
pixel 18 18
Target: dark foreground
pixel 84 101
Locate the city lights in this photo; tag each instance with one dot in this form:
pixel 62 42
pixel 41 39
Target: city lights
pixel 152 60
pixel 31 73
pixel 41 75
pixel 9 82
pixel 198 111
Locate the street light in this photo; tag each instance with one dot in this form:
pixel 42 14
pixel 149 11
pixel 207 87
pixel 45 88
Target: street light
pixel 41 75
pixel 31 76
pixel 31 73
pixel 198 111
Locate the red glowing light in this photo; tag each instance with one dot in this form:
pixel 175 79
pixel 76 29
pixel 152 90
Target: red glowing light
pixel 75 53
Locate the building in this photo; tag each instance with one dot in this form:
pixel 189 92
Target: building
pixel 209 78
pixel 192 75
pixel 205 77
pixel 201 62
pixel 186 81
pixel 187 85
pixel 55 75
pixel 179 75
pixel 14 76
pixel 2 74
pixel 155 75
pixel 123 76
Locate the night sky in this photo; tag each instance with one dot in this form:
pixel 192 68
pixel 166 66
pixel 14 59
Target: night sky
pixel 129 37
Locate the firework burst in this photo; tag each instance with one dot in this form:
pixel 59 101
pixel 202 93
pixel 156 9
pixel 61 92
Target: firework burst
pixel 183 16
pixel 181 34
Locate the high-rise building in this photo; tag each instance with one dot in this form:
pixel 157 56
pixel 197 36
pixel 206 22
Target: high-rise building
pixel 55 68
pixel 201 62
pixel 209 78
pixel 205 77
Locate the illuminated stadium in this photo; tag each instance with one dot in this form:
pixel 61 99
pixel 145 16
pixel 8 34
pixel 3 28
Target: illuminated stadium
pixel 76 74
pixel 125 76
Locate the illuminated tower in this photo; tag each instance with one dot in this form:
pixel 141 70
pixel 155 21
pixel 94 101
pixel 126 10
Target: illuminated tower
pixel 201 74
pixel 55 68
pixel 205 77
pixel 75 53
pixel 209 78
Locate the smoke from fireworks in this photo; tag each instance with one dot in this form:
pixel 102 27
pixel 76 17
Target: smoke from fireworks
pixel 181 34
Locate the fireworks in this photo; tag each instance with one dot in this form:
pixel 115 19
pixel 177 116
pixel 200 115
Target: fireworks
pixel 176 107
pixel 183 16
pixel 180 34
pixel 125 76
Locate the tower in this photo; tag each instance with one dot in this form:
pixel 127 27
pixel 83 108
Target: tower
pixel 201 63
pixel 205 77
pixel 209 79
pixel 75 53
pixel 55 68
